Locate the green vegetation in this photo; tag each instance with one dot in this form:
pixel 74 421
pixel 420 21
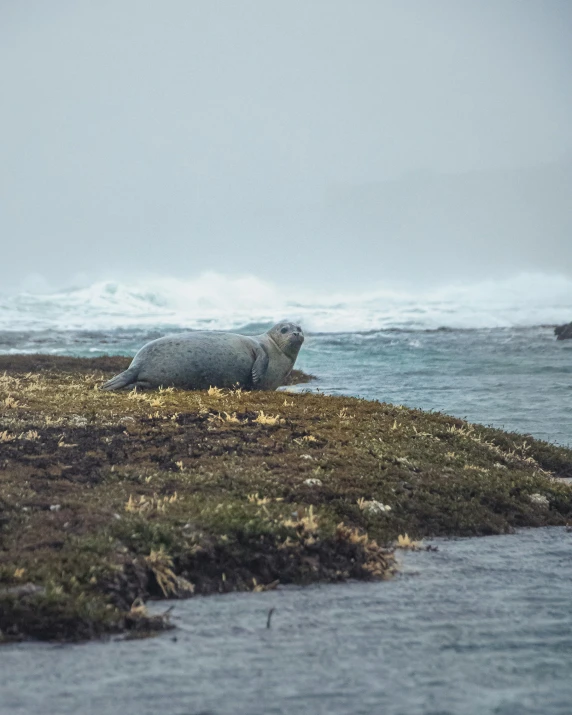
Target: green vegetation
pixel 109 499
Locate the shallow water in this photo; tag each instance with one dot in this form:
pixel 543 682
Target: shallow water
pixel 483 626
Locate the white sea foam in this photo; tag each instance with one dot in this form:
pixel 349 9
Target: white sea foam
pixel 216 301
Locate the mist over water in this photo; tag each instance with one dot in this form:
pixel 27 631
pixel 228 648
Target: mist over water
pixel 225 302
pixel 328 143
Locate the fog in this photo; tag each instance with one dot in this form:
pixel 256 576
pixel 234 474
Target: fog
pixel 323 142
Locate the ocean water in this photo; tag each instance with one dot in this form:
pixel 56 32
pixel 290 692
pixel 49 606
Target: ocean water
pixel 483 626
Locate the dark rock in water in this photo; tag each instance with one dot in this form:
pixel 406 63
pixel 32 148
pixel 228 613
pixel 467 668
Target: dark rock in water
pixel 563 332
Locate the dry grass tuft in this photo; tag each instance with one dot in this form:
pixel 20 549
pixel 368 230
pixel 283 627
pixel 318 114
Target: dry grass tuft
pixel 148 504
pixel 161 564
pixel 226 417
pixel 263 419
pixel 31 435
pixel 405 542
pixel 258 500
pixel 305 521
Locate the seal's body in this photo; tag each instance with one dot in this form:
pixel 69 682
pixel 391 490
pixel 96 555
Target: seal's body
pixel 203 359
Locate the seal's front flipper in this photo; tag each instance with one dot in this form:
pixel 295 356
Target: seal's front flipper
pixel 128 377
pixel 259 368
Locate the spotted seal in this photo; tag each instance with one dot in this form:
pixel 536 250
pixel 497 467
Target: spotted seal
pixel 203 359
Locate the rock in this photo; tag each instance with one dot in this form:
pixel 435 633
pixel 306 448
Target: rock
pixel 373 507
pixel 563 332
pixel 539 500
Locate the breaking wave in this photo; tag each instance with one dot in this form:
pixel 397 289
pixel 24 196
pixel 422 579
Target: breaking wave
pixel 215 301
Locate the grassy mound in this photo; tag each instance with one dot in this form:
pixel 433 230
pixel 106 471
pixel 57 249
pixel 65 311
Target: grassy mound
pixel 108 499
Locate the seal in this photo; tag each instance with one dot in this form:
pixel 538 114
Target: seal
pixel 203 359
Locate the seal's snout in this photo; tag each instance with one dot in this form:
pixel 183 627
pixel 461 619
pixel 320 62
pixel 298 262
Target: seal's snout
pixel 296 341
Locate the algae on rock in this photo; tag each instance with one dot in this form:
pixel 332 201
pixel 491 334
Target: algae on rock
pixel 108 499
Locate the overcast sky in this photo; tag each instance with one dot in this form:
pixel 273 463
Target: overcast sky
pixel 289 139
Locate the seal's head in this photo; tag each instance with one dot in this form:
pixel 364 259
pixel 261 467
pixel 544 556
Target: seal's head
pixel 288 337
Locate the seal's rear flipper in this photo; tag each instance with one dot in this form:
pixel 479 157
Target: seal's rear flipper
pixel 128 377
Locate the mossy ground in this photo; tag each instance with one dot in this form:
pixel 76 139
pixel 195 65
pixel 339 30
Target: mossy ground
pixel 108 499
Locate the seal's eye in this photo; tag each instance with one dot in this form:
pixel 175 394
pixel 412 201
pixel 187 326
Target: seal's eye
pixel 284 330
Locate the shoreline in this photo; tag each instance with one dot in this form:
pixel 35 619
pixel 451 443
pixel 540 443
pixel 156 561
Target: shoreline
pixel 110 499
